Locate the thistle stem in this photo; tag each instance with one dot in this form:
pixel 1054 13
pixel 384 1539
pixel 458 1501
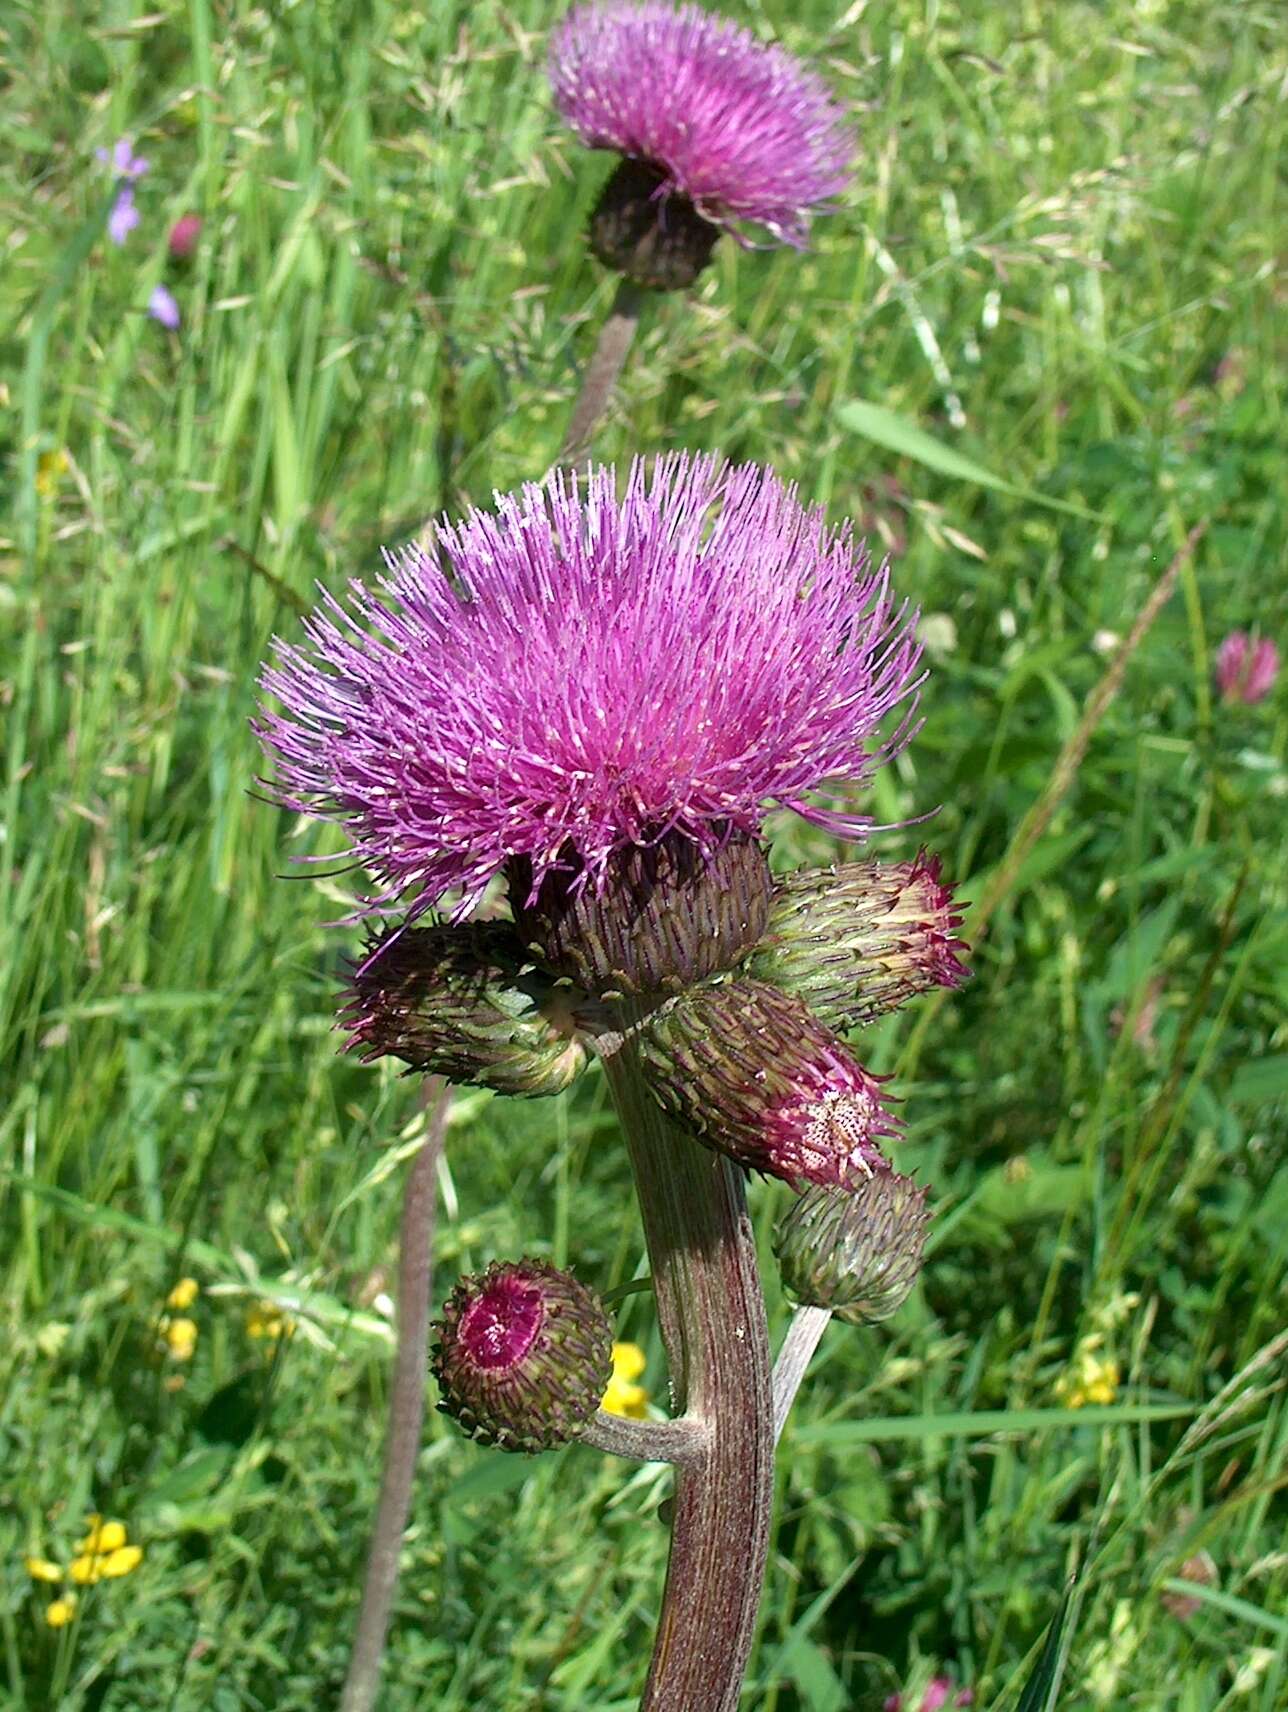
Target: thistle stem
pixel 807 1327
pixel 712 1315
pixel 611 349
pixel 681 1442
pixel 406 1409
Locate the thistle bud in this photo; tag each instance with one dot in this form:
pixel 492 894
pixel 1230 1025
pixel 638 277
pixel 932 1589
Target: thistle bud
pixel 857 1253
pixel 861 939
pixel 645 229
pixel 752 1073
pixel 667 915
pixel 463 1002
pixel 523 1355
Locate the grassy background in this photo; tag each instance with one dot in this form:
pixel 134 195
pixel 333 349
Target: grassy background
pixel 1059 257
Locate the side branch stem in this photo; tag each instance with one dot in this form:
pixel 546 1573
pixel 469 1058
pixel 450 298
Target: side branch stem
pixel 807 1327
pixel 614 343
pixel 712 1315
pixel 406 1410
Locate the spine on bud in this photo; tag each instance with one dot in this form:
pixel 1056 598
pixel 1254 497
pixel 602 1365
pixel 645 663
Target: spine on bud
pixel 856 941
pixel 523 1355
pixel 856 1254
pixel 752 1073
pixel 463 1002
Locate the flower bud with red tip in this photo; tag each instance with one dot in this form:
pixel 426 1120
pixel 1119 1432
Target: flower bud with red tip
pixel 859 940
pixel 523 1355
pixel 754 1074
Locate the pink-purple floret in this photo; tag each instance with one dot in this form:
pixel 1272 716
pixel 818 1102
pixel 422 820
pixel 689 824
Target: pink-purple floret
pixel 741 129
pixel 575 669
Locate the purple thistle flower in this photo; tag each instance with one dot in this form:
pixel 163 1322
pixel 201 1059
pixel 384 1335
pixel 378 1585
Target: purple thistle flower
pixel 162 307
pixel 741 130
pixel 124 216
pixel 581 674
pixel 1246 670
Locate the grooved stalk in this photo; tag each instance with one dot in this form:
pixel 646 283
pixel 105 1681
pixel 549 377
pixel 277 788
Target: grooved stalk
pixel 712 1315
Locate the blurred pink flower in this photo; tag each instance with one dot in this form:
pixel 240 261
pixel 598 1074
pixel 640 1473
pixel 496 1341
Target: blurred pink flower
pixel 1245 670
pixel 183 236
pixel 938 1692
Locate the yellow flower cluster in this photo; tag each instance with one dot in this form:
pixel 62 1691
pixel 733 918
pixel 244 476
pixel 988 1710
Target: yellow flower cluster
pixel 178 1334
pixel 1092 1378
pixel 266 1320
pixel 623 1396
pixel 105 1554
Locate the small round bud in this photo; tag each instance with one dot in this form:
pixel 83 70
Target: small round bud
pixel 857 1253
pixel 464 1002
pixel 649 232
pixel 667 915
pixel 859 940
pixel 755 1075
pixel 523 1355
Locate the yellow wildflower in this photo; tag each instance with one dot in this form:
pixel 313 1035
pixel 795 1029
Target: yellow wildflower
pixel 59 1612
pixel 40 1569
pixel 1093 1378
pixel 121 1562
pixel 50 466
pixel 623 1396
pixel 180 1337
pixel 102 1536
pixel 183 1295
pixel 266 1320
pixel 104 1554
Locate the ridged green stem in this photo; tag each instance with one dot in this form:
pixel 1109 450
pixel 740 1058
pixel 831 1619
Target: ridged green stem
pixel 712 1315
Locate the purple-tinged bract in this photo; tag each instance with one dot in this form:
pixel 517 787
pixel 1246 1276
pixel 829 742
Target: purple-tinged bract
pixel 1246 670
pixel 579 673
pixel 739 129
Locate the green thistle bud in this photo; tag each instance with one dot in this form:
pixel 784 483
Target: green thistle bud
pixel 523 1355
pixel 463 1002
pixel 861 939
pixel 667 915
pixel 753 1073
pixel 659 242
pixel 856 1253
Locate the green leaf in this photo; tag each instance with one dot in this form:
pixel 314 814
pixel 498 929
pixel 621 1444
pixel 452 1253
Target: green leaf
pixel 1261 1081
pixel 978 1423
pixel 1040 1689
pixel 897 434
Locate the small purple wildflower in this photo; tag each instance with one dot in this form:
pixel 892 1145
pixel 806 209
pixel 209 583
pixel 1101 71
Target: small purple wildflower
pixel 581 673
pixel 740 129
pixel 1246 670
pixel 124 216
pixel 163 308
pixel 123 160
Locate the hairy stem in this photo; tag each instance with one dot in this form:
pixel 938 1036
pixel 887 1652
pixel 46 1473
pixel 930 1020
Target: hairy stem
pixel 807 1327
pixel 681 1442
pixel 712 1315
pixel 406 1409
pixel 614 342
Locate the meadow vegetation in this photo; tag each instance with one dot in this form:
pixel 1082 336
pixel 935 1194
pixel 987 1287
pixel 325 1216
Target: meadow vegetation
pixel 1062 260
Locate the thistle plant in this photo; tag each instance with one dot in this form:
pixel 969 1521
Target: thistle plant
pixel 716 132
pixel 592 695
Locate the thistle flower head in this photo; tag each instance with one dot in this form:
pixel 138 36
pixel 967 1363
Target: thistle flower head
pixel 1246 670
pixel 857 1253
pixel 739 130
pixel 859 940
pixel 523 1355
pixel 576 674
pixel 752 1073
